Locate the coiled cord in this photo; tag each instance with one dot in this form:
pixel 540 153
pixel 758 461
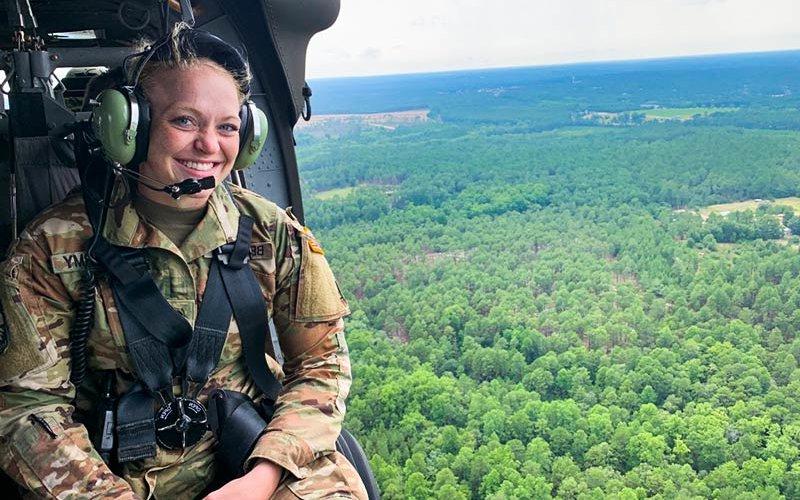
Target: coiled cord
pixel 4 334
pixel 82 324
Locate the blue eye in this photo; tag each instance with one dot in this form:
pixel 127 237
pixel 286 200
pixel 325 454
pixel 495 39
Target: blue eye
pixel 229 128
pixel 183 121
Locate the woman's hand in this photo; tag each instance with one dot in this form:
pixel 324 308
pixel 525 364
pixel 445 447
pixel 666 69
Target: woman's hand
pixel 258 484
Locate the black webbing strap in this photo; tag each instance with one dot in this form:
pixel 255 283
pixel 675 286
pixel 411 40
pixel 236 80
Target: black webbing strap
pixel 210 328
pixel 136 428
pixel 155 363
pixel 139 295
pixel 250 311
pixel 231 290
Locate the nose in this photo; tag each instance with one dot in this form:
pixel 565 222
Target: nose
pixel 207 140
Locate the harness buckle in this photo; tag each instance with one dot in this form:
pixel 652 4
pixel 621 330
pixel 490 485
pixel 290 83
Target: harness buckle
pixel 226 255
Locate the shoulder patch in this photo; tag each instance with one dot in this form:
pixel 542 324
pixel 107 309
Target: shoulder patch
pixel 68 262
pixel 318 295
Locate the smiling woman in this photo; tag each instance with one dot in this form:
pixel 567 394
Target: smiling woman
pixel 189 285
pixel 194 128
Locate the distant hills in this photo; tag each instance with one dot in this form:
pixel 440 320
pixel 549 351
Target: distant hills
pixel 769 80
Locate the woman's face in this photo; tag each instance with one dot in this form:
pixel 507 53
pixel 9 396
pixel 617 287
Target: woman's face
pixel 194 129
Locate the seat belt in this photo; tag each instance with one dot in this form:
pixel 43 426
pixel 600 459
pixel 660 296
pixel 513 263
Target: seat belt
pixel 249 310
pixel 231 290
pixel 181 421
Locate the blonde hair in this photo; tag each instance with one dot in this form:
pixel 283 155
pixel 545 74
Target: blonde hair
pixel 179 52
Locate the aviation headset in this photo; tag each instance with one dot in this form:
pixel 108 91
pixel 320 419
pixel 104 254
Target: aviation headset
pixel 121 120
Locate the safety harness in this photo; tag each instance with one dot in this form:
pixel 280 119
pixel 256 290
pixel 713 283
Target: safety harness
pixel 163 345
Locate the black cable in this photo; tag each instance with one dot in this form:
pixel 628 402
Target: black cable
pixel 82 324
pixel 5 334
pixel 84 309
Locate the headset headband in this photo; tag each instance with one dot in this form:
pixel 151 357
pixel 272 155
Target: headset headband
pixel 202 45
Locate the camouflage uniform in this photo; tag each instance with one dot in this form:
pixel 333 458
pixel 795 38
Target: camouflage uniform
pixel 46 451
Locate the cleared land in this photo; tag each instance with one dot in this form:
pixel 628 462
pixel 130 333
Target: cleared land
pixel 650 114
pixel 682 114
pixel 739 206
pixel 383 120
pixel 334 193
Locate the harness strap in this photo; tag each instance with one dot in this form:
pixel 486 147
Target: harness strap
pixel 210 328
pixel 161 342
pixel 138 295
pixel 136 429
pixel 250 311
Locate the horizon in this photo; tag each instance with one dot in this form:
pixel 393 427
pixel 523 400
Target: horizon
pixel 383 37
pixel 559 65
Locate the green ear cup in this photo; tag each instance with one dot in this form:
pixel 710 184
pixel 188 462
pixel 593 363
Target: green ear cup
pixel 251 149
pixel 114 126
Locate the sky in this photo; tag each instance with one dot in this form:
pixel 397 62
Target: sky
pixel 374 37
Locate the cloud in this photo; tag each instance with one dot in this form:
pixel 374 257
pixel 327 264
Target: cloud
pixel 370 54
pixel 387 36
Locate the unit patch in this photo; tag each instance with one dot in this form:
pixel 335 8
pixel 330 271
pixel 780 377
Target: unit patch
pixel 12 266
pixel 68 262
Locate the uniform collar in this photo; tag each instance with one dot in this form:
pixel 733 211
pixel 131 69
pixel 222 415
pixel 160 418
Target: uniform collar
pixel 218 226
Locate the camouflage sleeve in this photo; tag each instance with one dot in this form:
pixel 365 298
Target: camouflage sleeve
pixel 307 310
pixel 41 447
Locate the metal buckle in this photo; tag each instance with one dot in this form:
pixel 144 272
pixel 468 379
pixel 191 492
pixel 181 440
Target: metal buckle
pixel 224 252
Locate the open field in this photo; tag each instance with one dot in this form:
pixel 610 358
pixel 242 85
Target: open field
pixel 389 120
pixel 334 193
pixel 726 208
pixel 683 114
pixel 634 117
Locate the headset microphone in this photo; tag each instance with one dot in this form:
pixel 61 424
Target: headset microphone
pixel 187 186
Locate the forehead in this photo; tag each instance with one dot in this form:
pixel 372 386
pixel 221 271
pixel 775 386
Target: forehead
pixel 203 85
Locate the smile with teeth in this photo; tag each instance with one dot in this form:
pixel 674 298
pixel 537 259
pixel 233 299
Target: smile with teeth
pixel 201 166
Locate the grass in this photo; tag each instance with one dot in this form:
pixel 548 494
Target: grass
pixel 334 193
pixel 739 206
pixel 680 113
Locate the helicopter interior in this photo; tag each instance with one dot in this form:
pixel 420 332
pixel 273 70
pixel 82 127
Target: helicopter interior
pixel 58 55
pixel 54 56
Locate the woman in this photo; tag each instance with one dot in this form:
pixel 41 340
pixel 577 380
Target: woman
pixel 195 97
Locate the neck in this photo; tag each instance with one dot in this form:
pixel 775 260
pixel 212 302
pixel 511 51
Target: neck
pixel 174 221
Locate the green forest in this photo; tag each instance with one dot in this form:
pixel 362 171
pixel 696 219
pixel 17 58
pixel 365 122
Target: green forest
pixel 541 306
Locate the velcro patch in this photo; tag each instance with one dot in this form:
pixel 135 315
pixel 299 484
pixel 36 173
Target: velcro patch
pixel 260 251
pixel 68 262
pixel 318 295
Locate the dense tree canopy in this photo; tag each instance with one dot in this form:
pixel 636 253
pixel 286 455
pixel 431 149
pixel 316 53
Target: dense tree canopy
pixel 544 313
